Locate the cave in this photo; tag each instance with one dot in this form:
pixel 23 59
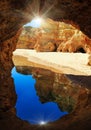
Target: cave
pixel 47 35
pixel 81 50
pixel 13 15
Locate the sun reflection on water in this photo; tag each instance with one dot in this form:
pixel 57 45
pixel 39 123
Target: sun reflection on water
pixel 28 106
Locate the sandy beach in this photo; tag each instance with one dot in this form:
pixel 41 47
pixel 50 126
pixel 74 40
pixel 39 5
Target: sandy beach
pixel 66 63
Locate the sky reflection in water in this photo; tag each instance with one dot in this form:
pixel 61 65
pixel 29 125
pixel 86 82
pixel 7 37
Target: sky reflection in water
pixel 28 106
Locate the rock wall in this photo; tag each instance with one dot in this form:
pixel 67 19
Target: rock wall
pixel 76 12
pixel 13 15
pixel 7 91
pixel 54 36
pixel 27 38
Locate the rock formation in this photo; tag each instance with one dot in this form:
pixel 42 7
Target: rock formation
pixel 54 36
pixel 77 43
pixel 27 38
pixel 7 91
pixel 13 15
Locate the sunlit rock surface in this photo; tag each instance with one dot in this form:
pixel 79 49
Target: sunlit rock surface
pixel 54 36
pixel 65 63
pixel 13 15
pixel 76 12
pixel 27 39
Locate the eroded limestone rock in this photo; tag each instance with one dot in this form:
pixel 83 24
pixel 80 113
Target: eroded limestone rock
pixel 13 15
pixel 54 36
pixel 7 91
pixel 77 43
pixel 27 39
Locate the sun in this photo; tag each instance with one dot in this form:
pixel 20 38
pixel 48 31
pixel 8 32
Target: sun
pixel 38 20
pixel 42 122
pixel 35 23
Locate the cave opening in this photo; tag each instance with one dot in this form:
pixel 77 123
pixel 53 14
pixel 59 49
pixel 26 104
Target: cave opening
pixel 29 106
pixel 81 50
pixel 34 23
pixel 14 13
pixel 47 35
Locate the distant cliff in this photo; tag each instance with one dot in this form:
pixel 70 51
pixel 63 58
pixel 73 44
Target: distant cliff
pixel 54 36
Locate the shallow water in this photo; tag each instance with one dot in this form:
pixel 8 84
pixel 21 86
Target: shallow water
pixel 29 106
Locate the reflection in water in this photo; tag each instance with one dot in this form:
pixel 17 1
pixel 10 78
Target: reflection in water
pixel 28 106
pixel 54 87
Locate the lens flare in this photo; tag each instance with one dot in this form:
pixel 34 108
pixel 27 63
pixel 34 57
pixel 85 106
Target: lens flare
pixel 42 122
pixel 38 20
pixel 35 23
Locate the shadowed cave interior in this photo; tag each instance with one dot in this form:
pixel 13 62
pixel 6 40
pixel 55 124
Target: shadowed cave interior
pixel 14 14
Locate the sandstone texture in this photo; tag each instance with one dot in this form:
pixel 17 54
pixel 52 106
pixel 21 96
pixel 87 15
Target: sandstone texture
pixel 54 36
pixel 13 15
pixel 27 38
pixel 7 91
pixel 65 63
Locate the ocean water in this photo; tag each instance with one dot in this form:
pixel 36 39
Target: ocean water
pixel 28 106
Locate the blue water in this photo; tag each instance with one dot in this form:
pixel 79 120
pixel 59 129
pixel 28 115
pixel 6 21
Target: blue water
pixel 28 107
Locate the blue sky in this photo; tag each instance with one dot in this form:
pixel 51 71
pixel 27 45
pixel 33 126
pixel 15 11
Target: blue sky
pixel 34 23
pixel 28 106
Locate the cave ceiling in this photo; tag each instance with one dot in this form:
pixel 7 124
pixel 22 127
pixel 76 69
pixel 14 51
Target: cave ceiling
pixel 15 13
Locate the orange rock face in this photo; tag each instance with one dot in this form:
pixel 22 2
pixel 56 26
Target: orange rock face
pixel 54 36
pixel 13 15
pixel 77 43
pixel 27 39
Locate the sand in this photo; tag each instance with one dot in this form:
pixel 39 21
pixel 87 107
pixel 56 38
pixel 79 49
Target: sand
pixel 66 63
